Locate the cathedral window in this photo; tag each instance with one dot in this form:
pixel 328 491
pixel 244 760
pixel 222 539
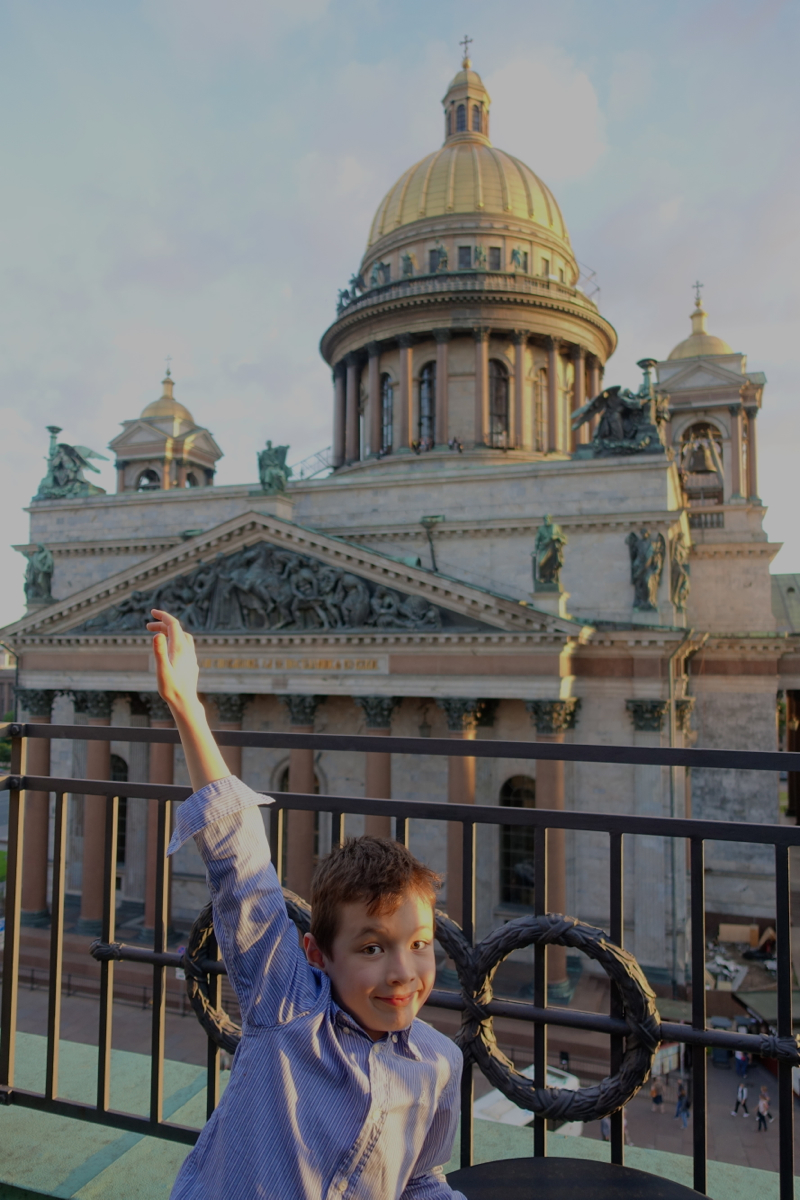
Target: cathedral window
pixel 433 261
pixel 387 413
pixel 449 121
pixel 192 480
pixel 701 470
pixel 495 258
pixel 477 119
pixel 561 278
pixel 461 119
pixel 464 258
pixel 517 844
pixel 148 481
pixel 427 406
pixel 498 404
pixel 546 268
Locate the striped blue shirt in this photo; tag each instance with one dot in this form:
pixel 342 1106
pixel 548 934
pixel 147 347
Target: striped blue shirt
pixel 314 1110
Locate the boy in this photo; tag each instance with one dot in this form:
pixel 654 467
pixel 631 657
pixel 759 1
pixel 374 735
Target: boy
pixel 336 1091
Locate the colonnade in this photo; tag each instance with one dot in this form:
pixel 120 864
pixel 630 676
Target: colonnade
pixel 555 437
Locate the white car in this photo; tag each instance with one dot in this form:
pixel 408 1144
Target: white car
pixel 494 1106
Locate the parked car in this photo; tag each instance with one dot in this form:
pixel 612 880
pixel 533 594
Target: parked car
pixel 494 1106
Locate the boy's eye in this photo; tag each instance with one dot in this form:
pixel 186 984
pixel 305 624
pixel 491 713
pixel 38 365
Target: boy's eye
pixel 420 945
pixel 371 950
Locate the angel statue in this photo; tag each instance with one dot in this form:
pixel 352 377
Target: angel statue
pixel 65 467
pixel 629 422
pixel 648 551
pixel 272 469
pixel 548 555
pixel 38 576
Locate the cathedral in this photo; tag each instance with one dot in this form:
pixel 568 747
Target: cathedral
pixel 504 545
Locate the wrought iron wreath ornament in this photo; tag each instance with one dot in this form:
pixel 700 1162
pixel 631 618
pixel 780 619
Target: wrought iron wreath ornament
pixel 476 967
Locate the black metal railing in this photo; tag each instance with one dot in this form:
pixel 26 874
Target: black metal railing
pixel 470 817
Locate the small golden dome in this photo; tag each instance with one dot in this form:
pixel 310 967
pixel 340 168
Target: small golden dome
pixel 701 343
pixel 167 405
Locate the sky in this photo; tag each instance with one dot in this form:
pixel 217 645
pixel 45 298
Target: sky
pixel 197 178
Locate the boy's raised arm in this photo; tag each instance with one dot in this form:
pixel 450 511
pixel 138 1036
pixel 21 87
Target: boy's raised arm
pixel 177 674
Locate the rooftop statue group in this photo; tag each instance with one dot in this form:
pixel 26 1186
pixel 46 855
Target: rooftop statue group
pixel 65 467
pixel 630 422
pixel 273 473
pixel 264 587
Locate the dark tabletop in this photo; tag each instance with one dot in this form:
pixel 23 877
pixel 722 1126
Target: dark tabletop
pixel 563 1179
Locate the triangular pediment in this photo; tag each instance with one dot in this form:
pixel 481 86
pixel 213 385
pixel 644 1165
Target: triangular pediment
pixel 697 375
pixel 259 574
pixel 141 433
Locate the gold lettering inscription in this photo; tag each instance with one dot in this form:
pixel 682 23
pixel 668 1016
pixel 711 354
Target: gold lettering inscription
pixel 290 664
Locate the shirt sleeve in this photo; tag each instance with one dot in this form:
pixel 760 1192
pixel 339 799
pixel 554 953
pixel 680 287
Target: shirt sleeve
pixel 428 1181
pixel 258 941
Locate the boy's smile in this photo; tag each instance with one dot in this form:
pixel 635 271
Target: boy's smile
pixel 382 967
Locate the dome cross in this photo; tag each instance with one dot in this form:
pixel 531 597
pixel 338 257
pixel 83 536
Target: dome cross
pixel 698 286
pixel 466 42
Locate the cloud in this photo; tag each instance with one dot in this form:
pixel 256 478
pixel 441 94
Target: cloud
pixel 545 111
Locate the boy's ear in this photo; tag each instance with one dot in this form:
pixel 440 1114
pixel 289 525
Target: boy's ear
pixel 313 952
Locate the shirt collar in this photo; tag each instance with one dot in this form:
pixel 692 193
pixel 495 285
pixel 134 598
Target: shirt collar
pixel 404 1042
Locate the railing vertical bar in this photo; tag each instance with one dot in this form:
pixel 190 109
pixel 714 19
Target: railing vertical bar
pixel 337 828
pixel 468 871
pixel 8 1002
pixel 783 953
pixel 107 968
pixel 698 1080
pixel 56 947
pixel 277 817
pixel 616 888
pixel 212 1057
pixel 159 972
pixel 540 985
pixel 401 826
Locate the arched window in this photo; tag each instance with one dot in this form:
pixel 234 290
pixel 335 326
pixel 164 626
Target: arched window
pixel 192 480
pixel 461 119
pixel 119 773
pixel 477 122
pixel 516 844
pixel 449 121
pixel 427 406
pixel 148 481
pixel 387 413
pixel 701 473
pixel 498 404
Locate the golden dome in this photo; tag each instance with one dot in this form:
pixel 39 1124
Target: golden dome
pixel 701 343
pixel 468 174
pixel 167 406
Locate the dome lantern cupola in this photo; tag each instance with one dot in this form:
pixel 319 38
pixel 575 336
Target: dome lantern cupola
pixel 466 107
pixel 701 342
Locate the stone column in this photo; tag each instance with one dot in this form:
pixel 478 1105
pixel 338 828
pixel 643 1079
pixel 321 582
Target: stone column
pixel 650 868
pixel 442 386
pixel 752 457
pixel 516 421
pixel 339 414
pixel 481 386
pixel 462 717
pixel 300 825
pixel 162 770
pixel 97 707
pixel 580 436
pixel 735 411
pixel 553 415
pixel 39 707
pixel 404 404
pixel 552 718
pixel 378 767
pixel 120 467
pixel 136 821
pixel 375 424
pixel 353 431
pixel 230 707
pixel 595 383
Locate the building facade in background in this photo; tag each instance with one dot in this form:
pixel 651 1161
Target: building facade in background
pixel 506 546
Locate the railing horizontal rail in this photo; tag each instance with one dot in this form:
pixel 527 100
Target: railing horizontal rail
pixel 130 1122
pixel 430 810
pixel 740 760
pixel 517 1010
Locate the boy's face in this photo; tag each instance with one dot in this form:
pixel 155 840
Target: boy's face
pixel 383 967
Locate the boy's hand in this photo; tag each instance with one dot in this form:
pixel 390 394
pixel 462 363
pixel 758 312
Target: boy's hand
pixel 176 662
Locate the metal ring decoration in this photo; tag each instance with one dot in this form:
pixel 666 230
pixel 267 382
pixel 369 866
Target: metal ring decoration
pixel 202 945
pixel 476 967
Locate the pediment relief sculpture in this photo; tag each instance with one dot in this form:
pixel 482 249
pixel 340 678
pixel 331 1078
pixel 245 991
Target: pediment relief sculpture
pixel 269 588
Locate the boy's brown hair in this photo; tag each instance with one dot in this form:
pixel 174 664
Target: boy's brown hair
pixel 374 871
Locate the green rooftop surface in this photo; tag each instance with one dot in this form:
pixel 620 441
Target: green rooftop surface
pixel 46 1155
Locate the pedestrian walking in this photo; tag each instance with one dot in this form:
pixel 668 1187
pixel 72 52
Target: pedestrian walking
pixel 742 1063
pixel 765 1094
pixel 657 1095
pixel 682 1105
pixel 605 1129
pixel 763 1109
pixel 741 1099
